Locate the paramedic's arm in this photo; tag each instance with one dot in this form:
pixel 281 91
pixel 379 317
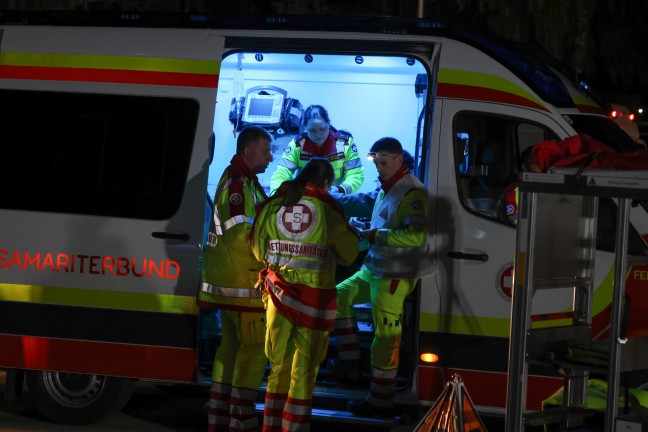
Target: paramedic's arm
pixel 345 239
pixel 286 167
pixel 413 213
pixel 357 204
pixel 237 228
pixel 353 170
pixel 257 237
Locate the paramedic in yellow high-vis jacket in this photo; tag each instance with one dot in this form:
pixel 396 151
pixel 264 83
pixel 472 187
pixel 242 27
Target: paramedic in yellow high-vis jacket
pixel 320 139
pixel 230 272
pixel 398 255
pixel 299 234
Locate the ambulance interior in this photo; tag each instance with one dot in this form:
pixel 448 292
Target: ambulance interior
pixel 359 93
pixel 368 96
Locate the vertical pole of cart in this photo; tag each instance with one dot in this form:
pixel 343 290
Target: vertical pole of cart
pixel 621 247
pixel 520 315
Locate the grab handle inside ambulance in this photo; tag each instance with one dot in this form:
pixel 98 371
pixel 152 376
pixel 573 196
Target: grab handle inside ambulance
pixel 170 236
pixel 468 256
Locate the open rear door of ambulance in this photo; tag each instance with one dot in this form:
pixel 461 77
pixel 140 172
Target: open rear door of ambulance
pixel 105 137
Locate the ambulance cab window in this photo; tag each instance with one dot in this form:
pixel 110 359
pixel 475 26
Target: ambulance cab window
pixel 111 155
pixel 487 149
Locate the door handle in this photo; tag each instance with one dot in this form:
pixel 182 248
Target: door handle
pixel 170 236
pixel 467 256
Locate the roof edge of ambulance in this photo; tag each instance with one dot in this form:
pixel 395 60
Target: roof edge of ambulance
pixel 496 46
pixel 360 23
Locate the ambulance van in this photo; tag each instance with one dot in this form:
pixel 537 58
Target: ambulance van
pixel 107 176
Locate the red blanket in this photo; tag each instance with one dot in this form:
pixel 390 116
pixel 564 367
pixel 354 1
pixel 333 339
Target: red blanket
pixel 584 151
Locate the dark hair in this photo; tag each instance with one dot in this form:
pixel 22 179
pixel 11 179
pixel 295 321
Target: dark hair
pixel 251 135
pixel 408 160
pixel 387 144
pixel 315 112
pixel 527 158
pixel 316 171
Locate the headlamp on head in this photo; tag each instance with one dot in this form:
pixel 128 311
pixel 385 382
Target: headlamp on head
pixel 377 155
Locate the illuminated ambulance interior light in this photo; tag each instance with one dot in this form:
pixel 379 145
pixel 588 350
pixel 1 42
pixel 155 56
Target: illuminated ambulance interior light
pixel 429 358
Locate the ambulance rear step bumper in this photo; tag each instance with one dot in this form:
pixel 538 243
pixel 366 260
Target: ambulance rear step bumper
pixel 346 418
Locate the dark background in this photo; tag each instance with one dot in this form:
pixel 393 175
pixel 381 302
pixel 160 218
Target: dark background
pixel 605 42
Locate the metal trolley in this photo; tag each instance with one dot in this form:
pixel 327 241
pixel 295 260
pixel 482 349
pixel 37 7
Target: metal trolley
pixel 556 244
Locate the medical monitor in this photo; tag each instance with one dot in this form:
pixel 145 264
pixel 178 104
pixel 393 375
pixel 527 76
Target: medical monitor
pixel 263 106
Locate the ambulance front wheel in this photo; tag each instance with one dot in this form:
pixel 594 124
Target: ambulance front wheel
pixel 77 399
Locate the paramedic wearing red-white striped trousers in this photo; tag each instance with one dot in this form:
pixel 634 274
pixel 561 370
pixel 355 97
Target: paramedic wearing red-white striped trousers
pixel 300 233
pixel 229 275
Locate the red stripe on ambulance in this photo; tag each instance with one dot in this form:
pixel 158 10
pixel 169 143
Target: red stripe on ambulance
pixel 100 358
pixel 459 91
pixel 485 388
pixel 109 76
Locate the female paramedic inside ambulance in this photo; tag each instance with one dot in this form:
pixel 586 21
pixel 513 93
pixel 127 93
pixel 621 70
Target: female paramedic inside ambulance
pixel 320 139
pixel 300 233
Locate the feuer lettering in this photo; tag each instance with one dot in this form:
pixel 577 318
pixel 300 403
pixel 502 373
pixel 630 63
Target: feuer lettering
pixel 640 274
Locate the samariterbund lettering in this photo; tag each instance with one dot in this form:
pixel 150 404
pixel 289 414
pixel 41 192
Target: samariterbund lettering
pixel 90 264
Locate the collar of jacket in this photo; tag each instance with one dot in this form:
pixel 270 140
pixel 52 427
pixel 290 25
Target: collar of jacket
pixel 241 165
pixel 386 185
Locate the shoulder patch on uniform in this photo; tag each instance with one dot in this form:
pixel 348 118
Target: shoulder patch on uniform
pixel 236 198
pixel 287 150
pixel 354 148
pixel 417 205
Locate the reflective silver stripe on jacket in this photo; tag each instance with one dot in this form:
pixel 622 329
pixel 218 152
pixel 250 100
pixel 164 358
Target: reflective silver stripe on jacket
pixel 291 263
pixel 400 262
pixel 230 292
pixel 415 220
pixel 300 307
pixel 235 220
pixel 292 166
pixel 353 163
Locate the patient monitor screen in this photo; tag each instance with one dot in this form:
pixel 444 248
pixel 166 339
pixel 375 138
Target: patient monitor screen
pixel 261 108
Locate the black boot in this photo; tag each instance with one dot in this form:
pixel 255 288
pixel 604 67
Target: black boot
pixel 343 370
pixel 363 408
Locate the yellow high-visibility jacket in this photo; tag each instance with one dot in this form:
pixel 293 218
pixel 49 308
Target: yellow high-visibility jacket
pixel 230 270
pixel 339 149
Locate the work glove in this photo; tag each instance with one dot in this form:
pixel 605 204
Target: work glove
pixel 336 190
pixel 370 235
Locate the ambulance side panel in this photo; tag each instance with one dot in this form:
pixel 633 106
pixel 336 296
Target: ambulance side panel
pixel 484 117
pixel 104 172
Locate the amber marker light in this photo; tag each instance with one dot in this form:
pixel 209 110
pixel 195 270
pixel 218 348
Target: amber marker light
pixel 429 358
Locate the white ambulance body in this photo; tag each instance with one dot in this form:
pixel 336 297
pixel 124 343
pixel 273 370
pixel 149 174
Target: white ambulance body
pixel 106 168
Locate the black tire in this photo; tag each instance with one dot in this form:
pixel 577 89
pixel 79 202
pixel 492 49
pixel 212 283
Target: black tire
pixel 77 399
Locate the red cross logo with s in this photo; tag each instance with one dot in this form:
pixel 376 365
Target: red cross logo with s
pixel 297 221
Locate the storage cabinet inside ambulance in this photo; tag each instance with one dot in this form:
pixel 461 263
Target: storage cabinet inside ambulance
pixel 366 96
